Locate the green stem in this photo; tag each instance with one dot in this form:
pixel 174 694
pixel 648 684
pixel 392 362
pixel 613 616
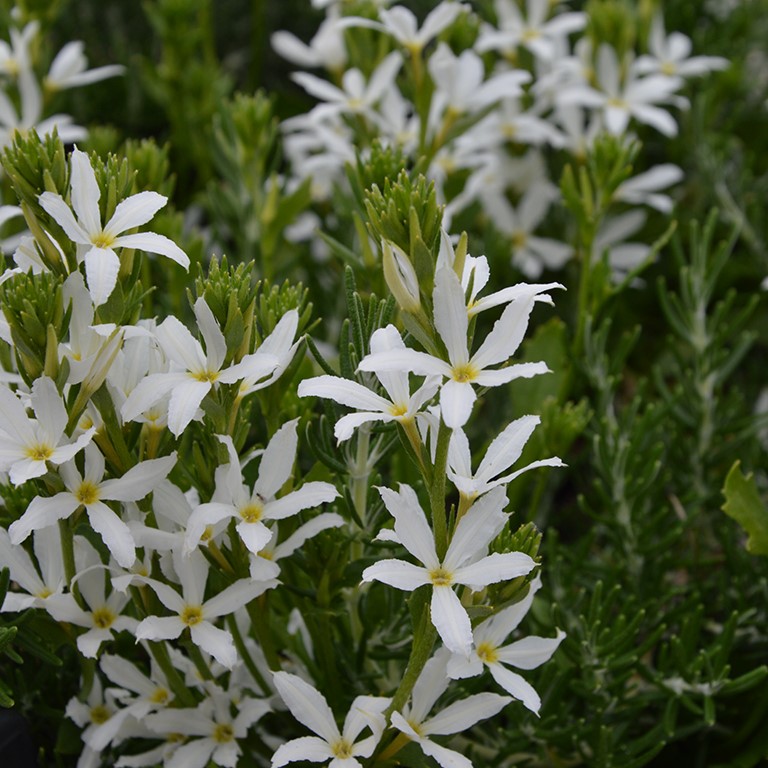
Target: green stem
pixel 437 491
pixel 424 639
pixel 260 623
pixel 180 690
pixel 242 649
pixel 67 551
pixel 197 658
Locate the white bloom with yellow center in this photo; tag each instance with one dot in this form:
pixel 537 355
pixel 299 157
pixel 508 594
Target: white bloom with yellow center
pixel 26 445
pixel 463 370
pixel 490 651
pixel 90 490
pixel 463 564
pixel 311 709
pixel 97 243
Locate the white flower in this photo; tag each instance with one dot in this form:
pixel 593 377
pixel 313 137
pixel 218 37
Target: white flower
pixel 463 563
pixel 402 406
pixel 97 243
pixel 645 188
pixel 90 491
pixel 192 612
pixel 531 31
pixel 311 709
pixel 196 373
pixel 672 55
pixel 489 651
pixel 252 509
pixel 634 97
pixel 501 454
pixel 213 723
pixel 355 95
pixel 326 49
pixel 26 444
pixel 104 614
pixel 152 693
pixel 462 370
pixel 459 716
pixel 40 581
pixel 69 69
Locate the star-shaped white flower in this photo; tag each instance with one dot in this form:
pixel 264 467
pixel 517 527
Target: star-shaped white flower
pixel 192 612
pixel 489 651
pixel 502 453
pixel 26 445
pixel 463 563
pixel 97 243
pixel 402 406
pixel 463 370
pixel 310 708
pixel 90 491
pixel 252 508
pixel 414 721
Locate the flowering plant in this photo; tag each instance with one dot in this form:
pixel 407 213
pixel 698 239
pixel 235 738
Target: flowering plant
pixel 288 505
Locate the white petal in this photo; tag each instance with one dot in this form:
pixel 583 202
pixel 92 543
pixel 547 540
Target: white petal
pixel 450 313
pixel 115 533
pixel 277 460
pixel 138 481
pixel 233 597
pixel 411 525
pixel 308 748
pixel 49 409
pixel 85 192
pixel 462 715
pixel 134 211
pixel 154 243
pixel 530 652
pixel 398 574
pixel 307 705
pixel 215 343
pixel 58 210
pixel 451 620
pixel 102 266
pixel 517 686
pixel 309 495
pixel 159 628
pixel 185 400
pixel 41 513
pixel 456 401
pixel 343 391
pixel 493 569
pixel 217 642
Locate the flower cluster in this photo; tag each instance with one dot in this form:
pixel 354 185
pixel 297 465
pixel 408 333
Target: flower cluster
pixel 484 122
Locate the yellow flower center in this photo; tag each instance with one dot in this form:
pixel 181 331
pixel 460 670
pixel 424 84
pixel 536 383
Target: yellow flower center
pixel 100 714
pixel 43 593
pixel 530 34
pixel 160 696
pixel 191 615
pixel 668 68
pixel 519 239
pixel 440 577
pixel 398 409
pixel 487 653
pixel 252 512
pixel 617 102
pixel 103 618
pixel 207 533
pixel 223 733
pixel 103 240
pixel 87 493
pixel 342 749
pixel 206 375
pixel 464 373
pixel 39 452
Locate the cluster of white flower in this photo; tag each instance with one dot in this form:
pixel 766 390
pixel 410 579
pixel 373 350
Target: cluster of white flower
pixel 488 118
pixel 152 576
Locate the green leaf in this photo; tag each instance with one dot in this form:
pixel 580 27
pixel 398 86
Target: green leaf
pixel 743 504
